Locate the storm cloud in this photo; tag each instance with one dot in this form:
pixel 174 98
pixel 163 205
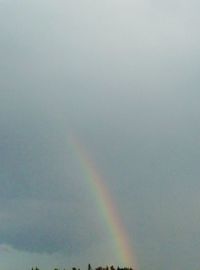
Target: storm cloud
pixel 123 76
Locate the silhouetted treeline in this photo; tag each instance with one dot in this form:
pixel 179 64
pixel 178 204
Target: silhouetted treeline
pixel 91 268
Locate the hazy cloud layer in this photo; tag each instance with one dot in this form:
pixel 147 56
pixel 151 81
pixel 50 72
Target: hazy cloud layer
pixel 123 76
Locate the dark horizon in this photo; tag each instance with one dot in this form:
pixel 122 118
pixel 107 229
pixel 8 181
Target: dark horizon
pixel 111 267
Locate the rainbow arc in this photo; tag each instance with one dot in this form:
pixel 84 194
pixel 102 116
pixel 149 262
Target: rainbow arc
pixel 106 205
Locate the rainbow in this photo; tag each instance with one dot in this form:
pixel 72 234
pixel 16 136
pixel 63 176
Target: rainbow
pixel 105 205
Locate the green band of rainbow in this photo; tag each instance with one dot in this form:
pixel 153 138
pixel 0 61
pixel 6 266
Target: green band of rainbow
pixel 106 206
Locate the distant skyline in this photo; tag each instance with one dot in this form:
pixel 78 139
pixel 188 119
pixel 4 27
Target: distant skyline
pixel 123 76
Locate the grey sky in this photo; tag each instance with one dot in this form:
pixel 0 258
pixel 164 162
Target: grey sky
pixel 124 77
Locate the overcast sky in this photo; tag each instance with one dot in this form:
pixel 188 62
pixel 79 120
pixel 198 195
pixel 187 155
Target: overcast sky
pixel 123 76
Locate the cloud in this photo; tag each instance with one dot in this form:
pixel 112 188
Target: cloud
pixel 46 227
pixel 42 208
pixel 124 75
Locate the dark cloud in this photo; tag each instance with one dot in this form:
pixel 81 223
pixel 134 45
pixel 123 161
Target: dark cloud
pixel 42 209
pixel 46 226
